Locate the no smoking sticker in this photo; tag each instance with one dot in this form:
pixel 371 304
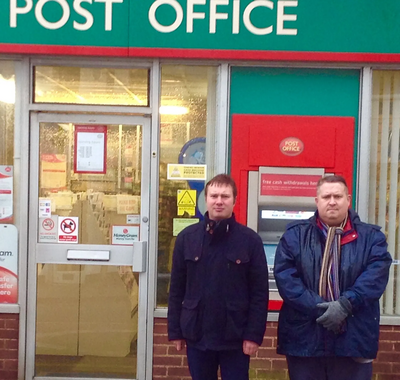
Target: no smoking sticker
pixel 48 229
pixel 68 229
pixel 48 224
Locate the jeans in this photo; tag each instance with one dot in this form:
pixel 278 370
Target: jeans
pixel 327 368
pixel 203 365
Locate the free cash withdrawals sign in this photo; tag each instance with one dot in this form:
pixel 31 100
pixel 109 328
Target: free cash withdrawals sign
pixel 243 29
pixel 290 185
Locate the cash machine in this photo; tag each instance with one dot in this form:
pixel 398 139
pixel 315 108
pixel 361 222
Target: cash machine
pixel 276 162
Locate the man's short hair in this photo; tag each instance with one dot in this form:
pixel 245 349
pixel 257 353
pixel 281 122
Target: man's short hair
pixel 332 179
pixel 220 180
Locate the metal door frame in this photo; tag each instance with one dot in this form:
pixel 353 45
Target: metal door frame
pixel 35 120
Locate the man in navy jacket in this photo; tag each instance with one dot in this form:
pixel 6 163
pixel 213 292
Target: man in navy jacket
pixel 219 289
pixel 331 271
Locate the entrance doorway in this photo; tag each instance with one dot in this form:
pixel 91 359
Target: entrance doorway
pixel 87 280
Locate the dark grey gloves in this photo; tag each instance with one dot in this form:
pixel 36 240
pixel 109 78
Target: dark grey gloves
pixel 336 312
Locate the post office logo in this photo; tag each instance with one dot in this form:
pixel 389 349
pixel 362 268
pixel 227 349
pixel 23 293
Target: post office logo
pixel 291 146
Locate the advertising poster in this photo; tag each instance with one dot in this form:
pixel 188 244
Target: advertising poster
pixel 124 235
pixel 128 204
pixel 90 149
pixel 8 263
pixel 53 171
pixel 6 193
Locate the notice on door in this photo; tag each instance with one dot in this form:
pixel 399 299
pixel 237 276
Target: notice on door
pixel 180 224
pixel 178 172
pixel 8 263
pixel 44 208
pixel 68 229
pixel 53 171
pixel 124 235
pixel 6 193
pixel 48 229
pixel 90 149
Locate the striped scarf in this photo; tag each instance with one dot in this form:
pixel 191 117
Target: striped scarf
pixel 329 276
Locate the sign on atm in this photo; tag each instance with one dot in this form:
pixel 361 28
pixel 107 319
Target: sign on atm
pixel 186 198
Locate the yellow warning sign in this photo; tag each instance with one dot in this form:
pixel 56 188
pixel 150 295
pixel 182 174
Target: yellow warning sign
pixel 186 198
pixel 186 172
pixel 191 211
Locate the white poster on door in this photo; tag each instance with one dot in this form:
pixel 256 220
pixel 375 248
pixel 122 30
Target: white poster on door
pixel 90 149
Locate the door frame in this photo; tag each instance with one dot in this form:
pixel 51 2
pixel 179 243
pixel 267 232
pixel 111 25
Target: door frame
pixel 35 120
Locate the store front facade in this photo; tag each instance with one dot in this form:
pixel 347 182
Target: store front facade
pixel 114 114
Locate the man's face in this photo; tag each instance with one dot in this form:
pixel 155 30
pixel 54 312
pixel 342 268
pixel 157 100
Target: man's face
pixel 333 203
pixel 220 202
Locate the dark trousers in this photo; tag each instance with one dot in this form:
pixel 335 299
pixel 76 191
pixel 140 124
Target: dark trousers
pixel 203 365
pixel 327 368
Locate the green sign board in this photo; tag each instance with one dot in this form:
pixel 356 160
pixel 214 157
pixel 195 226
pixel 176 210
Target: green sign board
pixel 294 26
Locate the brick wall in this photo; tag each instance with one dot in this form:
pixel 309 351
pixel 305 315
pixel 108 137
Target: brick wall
pixel 267 365
pixel 9 346
pixel 171 365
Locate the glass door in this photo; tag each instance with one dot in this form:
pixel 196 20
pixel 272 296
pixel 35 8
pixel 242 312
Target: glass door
pixel 87 283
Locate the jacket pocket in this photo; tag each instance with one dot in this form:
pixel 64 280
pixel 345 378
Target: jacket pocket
pixel 190 320
pixel 193 253
pixel 236 320
pixel 238 257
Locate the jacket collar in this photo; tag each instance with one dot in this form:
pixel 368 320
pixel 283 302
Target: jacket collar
pixel 219 228
pixel 352 219
pixel 349 230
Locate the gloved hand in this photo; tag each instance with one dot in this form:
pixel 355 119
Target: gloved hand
pixel 336 312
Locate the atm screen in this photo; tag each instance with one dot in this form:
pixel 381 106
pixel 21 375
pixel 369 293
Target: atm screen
pixel 272 223
pixel 288 215
pixel 270 250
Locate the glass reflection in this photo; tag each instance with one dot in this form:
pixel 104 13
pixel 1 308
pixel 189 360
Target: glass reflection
pixel 79 85
pixel 86 323
pixel 7 100
pixel 187 115
pixel 100 201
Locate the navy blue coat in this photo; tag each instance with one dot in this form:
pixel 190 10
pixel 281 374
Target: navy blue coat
pixel 219 286
pixel 364 272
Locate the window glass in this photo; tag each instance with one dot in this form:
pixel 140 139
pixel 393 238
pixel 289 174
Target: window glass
pixel 384 194
pixel 187 119
pixel 101 198
pixel 79 85
pixel 7 103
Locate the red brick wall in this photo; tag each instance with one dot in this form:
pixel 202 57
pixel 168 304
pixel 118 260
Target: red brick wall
pixel 171 365
pixel 9 325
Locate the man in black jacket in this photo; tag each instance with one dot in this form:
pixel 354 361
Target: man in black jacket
pixel 219 289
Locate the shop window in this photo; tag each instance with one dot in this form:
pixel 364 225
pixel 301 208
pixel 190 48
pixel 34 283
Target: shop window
pixel 384 192
pixel 187 117
pixel 101 86
pixel 7 102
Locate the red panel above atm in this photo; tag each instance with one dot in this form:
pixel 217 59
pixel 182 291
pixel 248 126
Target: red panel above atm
pixel 293 141
pixel 289 141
